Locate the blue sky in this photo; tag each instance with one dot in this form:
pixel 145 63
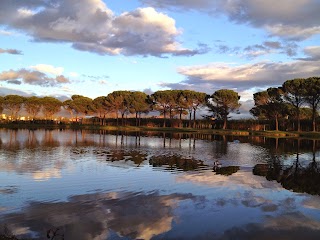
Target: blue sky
pixel 93 47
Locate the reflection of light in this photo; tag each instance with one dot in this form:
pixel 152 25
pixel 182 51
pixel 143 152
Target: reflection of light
pixel 46 174
pixel 20 230
pixel 162 225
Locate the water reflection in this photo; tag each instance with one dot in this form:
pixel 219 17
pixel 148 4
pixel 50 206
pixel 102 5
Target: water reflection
pixel 119 185
pixel 299 175
pixel 101 215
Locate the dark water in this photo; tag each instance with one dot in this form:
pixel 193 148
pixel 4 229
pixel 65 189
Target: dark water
pixel 160 186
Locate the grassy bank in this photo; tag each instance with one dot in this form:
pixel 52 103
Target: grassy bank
pixel 272 134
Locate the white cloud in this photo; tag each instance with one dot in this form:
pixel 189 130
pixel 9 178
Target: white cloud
pixel 91 26
pixel 48 69
pixel 74 74
pixel 5 33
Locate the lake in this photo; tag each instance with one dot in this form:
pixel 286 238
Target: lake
pixel 99 185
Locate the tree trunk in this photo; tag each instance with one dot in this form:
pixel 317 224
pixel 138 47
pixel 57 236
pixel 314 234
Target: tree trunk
pixel 164 118
pixel 194 118
pixel 224 123
pixel 298 116
pixel 314 110
pixel 122 119
pixel 190 118
pixel 136 118
pixel 277 124
pixel 117 118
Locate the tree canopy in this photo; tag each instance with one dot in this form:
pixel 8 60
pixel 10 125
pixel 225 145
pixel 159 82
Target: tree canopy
pixel 222 103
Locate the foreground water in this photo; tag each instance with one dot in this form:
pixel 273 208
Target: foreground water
pixel 88 185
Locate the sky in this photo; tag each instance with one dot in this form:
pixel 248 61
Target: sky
pixel 94 47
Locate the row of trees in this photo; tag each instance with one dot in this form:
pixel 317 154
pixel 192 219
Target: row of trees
pixel 297 98
pixel 170 104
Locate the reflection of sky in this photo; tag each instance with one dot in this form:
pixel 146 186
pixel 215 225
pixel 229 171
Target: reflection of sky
pixel 68 181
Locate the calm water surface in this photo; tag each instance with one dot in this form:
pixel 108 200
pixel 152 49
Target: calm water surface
pixel 160 186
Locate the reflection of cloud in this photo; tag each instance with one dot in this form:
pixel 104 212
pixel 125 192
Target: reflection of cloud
pixel 293 226
pixel 244 178
pixel 46 174
pixel 96 216
pixel 8 190
pixel 312 202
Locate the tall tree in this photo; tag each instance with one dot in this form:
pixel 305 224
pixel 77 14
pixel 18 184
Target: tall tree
pixel 222 103
pixel 269 104
pixel 139 103
pixel 13 104
pixel 312 97
pixel 294 93
pixel 193 101
pixel 33 106
pixel 118 101
pixel 101 107
pixel 100 104
pixel 164 102
pixel 182 103
pixel 81 105
pixel 50 106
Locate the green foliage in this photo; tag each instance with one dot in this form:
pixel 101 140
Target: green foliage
pixel 50 106
pixel 79 105
pixel 33 106
pixel 222 103
pixel 13 104
pixel 270 105
pixel 100 104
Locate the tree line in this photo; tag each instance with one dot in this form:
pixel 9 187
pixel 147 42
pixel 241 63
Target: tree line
pixel 296 99
pixel 169 103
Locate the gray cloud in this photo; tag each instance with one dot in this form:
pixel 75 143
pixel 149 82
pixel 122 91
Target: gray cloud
pixel 10 51
pixel 312 52
pixel 89 25
pixel 7 91
pixel 256 50
pixel 296 21
pixel 211 77
pixel 31 77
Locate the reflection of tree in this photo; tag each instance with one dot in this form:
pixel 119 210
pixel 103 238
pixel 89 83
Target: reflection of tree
pixel 100 216
pixel 176 162
pixel 118 155
pixel 227 171
pixel 296 177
